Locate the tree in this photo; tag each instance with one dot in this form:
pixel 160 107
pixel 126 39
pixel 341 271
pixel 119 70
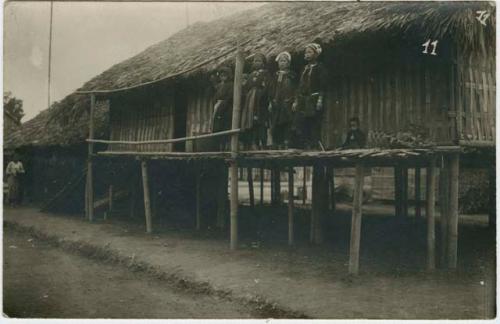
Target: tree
pixel 13 105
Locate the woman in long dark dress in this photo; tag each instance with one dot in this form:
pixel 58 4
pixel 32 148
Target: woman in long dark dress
pixel 254 113
pixel 282 97
pixel 309 100
pixel 223 112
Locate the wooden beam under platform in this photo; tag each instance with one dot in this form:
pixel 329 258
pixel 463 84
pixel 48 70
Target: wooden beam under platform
pixel 278 158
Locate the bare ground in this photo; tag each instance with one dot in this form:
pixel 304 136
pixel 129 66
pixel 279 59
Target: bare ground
pixel 301 281
pixel 45 282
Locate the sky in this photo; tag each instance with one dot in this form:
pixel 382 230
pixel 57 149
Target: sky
pixel 87 39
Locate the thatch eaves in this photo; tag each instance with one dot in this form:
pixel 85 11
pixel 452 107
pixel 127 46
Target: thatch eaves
pixel 291 25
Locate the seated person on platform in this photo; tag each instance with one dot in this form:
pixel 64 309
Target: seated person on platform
pixel 222 116
pixel 355 138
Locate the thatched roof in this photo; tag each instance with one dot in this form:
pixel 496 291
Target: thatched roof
pixel 291 25
pixel 269 29
pixel 65 123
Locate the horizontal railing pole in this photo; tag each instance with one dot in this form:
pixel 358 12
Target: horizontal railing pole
pixel 167 141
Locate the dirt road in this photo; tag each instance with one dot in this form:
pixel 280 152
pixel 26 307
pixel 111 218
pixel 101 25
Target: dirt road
pixel 42 281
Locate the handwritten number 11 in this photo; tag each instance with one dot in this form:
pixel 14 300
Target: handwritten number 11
pixel 426 46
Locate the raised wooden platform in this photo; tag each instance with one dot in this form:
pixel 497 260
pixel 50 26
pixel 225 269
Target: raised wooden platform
pixel 372 156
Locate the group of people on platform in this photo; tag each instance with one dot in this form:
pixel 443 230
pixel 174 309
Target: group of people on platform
pixel 289 105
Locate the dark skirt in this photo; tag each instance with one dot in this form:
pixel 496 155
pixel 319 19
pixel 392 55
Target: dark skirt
pixel 14 188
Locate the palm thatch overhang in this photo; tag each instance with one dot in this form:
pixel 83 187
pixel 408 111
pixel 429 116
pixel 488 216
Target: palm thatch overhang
pixel 64 124
pixel 272 28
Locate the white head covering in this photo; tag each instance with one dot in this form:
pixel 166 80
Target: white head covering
pixel 285 54
pixel 315 47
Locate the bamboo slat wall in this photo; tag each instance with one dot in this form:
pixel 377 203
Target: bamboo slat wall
pixel 476 99
pixel 389 102
pixel 136 120
pixel 200 105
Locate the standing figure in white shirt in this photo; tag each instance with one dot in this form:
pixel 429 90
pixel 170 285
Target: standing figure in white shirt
pixel 13 172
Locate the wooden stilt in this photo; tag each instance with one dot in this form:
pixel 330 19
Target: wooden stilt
pixel 198 199
pixel 250 186
pixel 331 185
pixel 314 205
pixel 273 187
pixel 404 200
pixel 147 204
pixel 304 186
pixel 110 197
pixel 290 206
pixel 261 186
pixel 418 207
pixel 356 220
pixel 277 185
pixel 234 206
pixel 238 77
pixel 429 212
pixel 443 210
pixel 492 215
pixel 90 173
pixel 222 198
pixel 321 204
pixel 86 207
pixel 397 191
pixel 453 212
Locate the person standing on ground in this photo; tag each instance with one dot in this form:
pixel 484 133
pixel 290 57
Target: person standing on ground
pixel 282 97
pixel 309 100
pixel 14 172
pixel 254 116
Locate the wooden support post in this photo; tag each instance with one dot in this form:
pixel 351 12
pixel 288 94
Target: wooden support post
pixel 90 172
pixel 110 197
pixel 429 213
pixel 198 199
pixel 397 191
pixel 261 186
pixel 147 203
pixel 277 186
pixel 304 186
pixel 86 207
pixel 222 189
pixel 453 212
pixel 404 201
pixel 234 206
pixel 418 207
pixel 314 204
pixel 272 187
pixel 492 215
pixel 319 203
pixel 250 186
pixel 238 78
pixel 356 220
pixel 331 186
pixel 443 210
pixel 290 206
